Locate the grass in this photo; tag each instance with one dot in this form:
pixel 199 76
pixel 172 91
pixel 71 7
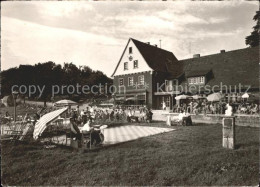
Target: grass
pixel 191 155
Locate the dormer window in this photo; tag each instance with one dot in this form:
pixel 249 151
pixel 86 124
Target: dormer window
pixel 196 80
pixel 135 64
pixel 130 50
pixel 126 66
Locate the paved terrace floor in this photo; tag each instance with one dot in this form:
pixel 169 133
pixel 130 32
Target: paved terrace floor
pixel 115 135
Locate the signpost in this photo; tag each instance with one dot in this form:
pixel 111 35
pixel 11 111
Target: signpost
pixel 228 132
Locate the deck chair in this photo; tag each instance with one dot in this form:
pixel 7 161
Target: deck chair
pixel 26 132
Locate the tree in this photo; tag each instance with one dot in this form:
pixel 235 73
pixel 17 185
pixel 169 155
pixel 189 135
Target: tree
pixel 48 74
pixel 253 39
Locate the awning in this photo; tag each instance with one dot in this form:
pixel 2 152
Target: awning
pixel 141 97
pixel 167 93
pixel 130 99
pixel 41 125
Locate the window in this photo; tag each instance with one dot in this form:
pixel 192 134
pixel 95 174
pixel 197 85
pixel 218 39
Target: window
pixel 126 66
pixel 130 50
pixel 135 64
pixel 202 79
pixel 175 82
pixel 168 85
pixel 130 81
pixel 167 101
pixel 121 82
pixel 196 80
pixel 141 80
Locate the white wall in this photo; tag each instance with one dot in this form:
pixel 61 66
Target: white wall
pixel 142 65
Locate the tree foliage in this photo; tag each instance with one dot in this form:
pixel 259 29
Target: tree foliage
pixel 253 39
pixel 48 74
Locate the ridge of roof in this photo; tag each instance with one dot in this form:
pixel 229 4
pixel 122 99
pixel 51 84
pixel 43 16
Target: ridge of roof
pixel 237 67
pixel 135 40
pixel 226 52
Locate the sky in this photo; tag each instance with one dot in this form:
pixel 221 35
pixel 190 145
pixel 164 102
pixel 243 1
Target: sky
pixel 96 33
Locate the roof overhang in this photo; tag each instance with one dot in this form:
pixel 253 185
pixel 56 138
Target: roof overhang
pixel 167 93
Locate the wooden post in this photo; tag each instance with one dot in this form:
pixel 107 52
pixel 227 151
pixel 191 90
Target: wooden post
pixel 228 131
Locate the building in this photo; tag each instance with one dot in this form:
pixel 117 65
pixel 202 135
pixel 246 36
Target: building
pixel 149 75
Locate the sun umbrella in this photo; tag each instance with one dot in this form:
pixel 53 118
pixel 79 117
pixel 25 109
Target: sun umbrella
pixel 120 99
pixel 65 102
pixel 111 100
pixel 247 95
pixel 214 97
pixel 46 119
pixel 197 97
pixel 182 97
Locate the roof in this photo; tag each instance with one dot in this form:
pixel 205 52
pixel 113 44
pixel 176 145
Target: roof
pixel 157 59
pixel 201 72
pixel 229 68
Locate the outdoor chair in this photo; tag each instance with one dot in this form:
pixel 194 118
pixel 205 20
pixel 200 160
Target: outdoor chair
pixel 86 141
pixel 20 133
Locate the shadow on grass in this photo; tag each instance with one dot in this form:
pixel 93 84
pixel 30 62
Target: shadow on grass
pixel 239 146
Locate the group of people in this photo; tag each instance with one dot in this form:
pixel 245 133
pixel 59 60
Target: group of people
pixel 203 107
pixel 85 121
pixel 114 115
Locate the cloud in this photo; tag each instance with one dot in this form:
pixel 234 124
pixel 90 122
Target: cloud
pixel 95 33
pixel 37 43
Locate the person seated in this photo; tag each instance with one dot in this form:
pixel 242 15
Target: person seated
pixel 179 117
pixel 142 115
pixel 106 115
pixel 87 127
pixel 82 113
pixel 75 130
pixel 254 109
pixel 111 115
pixel 149 115
pixel 94 134
pixel 116 115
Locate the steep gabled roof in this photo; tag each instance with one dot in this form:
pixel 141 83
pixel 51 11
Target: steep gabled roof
pixel 157 59
pixel 230 68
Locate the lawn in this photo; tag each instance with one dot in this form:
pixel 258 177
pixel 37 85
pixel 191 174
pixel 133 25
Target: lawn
pixel 190 155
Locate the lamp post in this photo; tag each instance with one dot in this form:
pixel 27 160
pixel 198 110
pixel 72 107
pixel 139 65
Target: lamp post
pixel 14 93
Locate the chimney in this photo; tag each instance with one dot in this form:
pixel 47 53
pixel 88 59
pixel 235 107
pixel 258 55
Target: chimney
pixel 148 43
pixel 155 45
pixel 222 51
pixel 196 55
